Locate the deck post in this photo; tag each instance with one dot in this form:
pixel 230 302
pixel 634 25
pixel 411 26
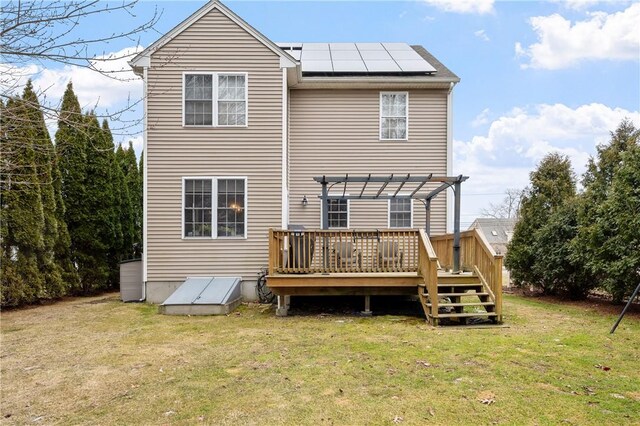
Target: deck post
pixel 367 306
pixel 283 306
pixel 456 227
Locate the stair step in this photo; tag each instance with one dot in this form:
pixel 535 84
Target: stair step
pixel 468 315
pixel 467 284
pixel 460 294
pixel 452 305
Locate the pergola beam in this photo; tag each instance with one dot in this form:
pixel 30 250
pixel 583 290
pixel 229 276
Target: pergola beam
pixel 390 179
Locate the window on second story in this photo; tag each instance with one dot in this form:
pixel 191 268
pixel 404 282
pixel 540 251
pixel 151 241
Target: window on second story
pixel 394 114
pixel 215 99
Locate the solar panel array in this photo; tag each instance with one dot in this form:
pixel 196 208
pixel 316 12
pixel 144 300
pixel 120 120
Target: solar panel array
pixel 357 58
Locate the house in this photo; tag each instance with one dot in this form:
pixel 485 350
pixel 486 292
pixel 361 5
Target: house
pixel 497 231
pixel 237 127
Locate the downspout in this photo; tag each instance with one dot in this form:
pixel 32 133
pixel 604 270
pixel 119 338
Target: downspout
pixel 145 179
pixel 450 202
pixel 285 151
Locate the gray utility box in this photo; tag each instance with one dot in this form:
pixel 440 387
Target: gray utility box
pixel 131 285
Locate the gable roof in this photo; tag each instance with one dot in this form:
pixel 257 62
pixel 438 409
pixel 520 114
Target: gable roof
pixel 497 231
pixel 142 58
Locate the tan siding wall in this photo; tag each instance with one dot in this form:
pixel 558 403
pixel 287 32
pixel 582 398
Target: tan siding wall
pixel 214 43
pixel 333 132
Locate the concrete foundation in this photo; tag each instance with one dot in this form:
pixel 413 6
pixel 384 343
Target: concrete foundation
pixel 199 309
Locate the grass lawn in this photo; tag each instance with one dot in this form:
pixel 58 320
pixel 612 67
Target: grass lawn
pixel 99 361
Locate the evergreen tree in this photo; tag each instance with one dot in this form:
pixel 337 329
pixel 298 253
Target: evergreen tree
pixel 43 157
pixel 552 183
pixel 21 211
pixel 134 184
pixel 592 245
pixel 595 244
pixel 620 254
pixel 96 233
pixel 71 147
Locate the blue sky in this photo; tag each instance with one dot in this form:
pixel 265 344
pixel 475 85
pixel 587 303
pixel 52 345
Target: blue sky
pixel 536 76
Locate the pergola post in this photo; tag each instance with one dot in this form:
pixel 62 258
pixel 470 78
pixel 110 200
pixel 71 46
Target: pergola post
pixel 427 223
pixel 456 227
pixel 325 221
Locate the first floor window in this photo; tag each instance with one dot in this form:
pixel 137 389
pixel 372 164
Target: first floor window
pixel 231 207
pixel 400 213
pixel 197 208
pixel 224 196
pixel 338 213
pixel 393 115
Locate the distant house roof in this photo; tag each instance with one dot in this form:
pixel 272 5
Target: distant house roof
pixel 497 231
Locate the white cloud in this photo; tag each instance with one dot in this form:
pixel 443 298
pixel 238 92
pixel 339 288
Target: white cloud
pixel 482 118
pixel 515 142
pixel 602 36
pixel 577 4
pixel 463 6
pixel 482 35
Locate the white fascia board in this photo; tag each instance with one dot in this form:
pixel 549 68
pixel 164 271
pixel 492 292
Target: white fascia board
pixel 135 62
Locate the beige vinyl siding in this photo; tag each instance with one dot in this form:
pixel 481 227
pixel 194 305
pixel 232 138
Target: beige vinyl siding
pixel 333 132
pixel 212 44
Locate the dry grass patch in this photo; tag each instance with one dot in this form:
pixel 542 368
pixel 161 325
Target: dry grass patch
pixel 99 361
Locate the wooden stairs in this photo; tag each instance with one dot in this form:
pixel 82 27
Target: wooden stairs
pixel 461 297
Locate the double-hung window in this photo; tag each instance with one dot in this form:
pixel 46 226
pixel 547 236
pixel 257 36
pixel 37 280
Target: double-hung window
pixel 215 99
pixel 214 207
pixel 400 213
pixel 338 214
pixel 394 115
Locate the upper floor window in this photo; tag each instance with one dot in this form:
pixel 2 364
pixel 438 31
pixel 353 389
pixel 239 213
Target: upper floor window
pixel 215 99
pixel 394 113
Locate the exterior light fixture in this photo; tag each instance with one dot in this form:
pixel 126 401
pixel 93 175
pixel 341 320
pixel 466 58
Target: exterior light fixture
pixel 305 201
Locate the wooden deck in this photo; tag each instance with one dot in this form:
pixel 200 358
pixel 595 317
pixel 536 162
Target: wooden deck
pixel 388 262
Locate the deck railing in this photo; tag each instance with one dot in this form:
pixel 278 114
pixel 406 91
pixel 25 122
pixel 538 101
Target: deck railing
pixel 336 251
pixel 476 255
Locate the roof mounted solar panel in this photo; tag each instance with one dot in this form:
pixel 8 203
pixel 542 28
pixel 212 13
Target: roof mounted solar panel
pixel 349 66
pixel 397 46
pixel 375 55
pixel 382 66
pixel 316 55
pixel 342 46
pixel 405 55
pixel 416 66
pixel 317 66
pixel 369 46
pixel 315 46
pixel 345 55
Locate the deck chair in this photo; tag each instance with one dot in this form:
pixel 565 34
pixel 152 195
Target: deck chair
pixel 389 255
pixel 347 256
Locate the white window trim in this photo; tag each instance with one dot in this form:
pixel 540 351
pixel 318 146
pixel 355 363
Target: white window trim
pixel 214 208
pixel 348 214
pixel 214 100
pixel 389 212
pixel 406 138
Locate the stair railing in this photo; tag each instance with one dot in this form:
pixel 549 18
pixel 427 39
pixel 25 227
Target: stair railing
pixel 476 255
pixel 428 270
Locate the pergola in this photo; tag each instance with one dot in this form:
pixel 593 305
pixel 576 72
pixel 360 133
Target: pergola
pixel 372 188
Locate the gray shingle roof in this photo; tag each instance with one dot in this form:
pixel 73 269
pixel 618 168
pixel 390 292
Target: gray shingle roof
pixel 441 70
